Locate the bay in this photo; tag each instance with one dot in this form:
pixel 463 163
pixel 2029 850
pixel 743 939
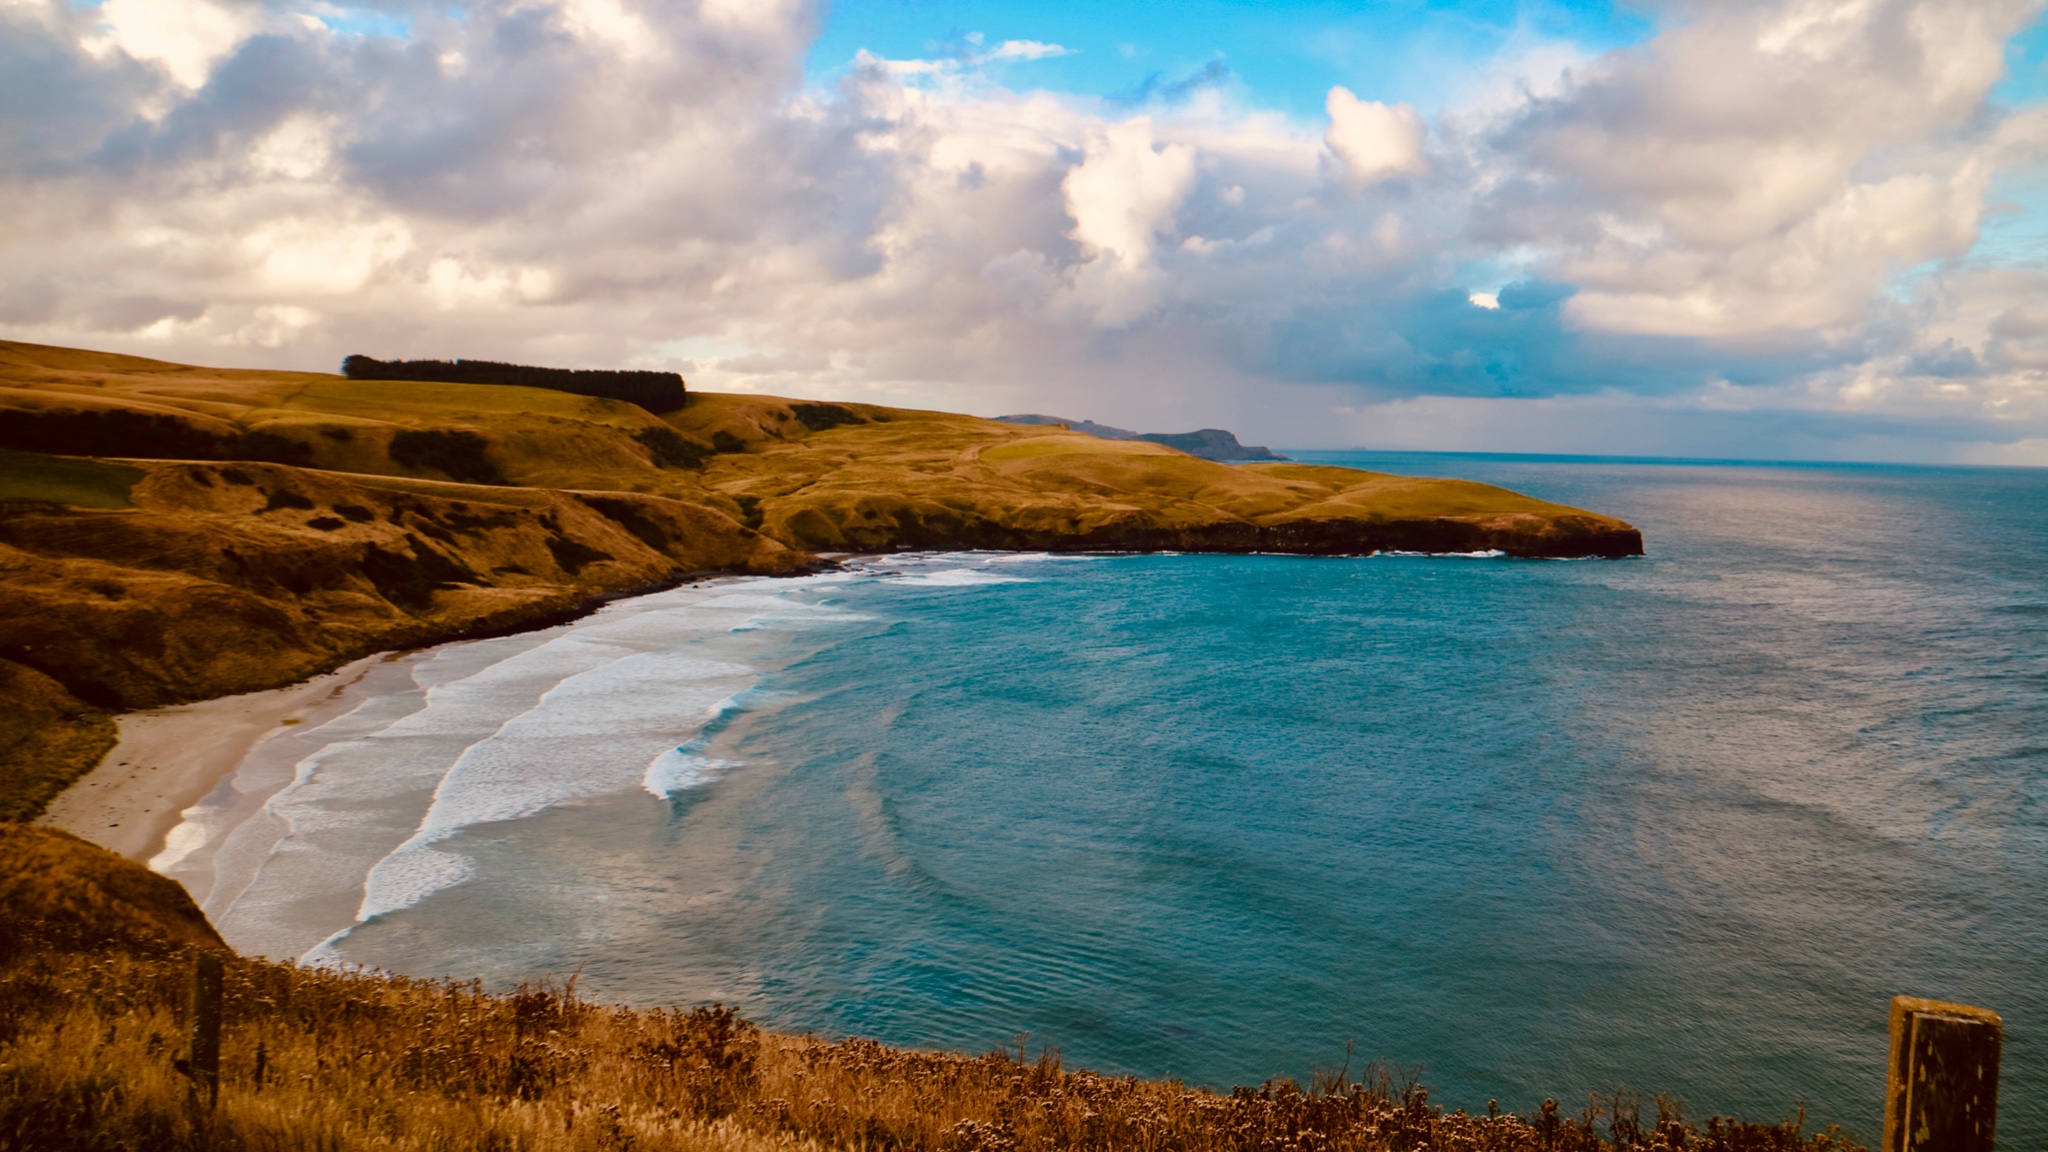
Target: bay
pixel 1527 829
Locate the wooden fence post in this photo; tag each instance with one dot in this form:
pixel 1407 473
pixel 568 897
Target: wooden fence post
pixel 203 1010
pixel 1942 1094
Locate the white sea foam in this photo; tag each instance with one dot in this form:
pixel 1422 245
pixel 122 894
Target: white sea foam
pixel 595 732
pixel 799 618
pixel 503 729
pixel 1487 554
pixel 1033 557
pixel 295 867
pixel 188 837
pixel 678 770
pixel 960 578
pixel 406 877
pixel 624 699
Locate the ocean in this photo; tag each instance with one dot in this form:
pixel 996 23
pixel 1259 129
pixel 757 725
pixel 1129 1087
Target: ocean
pixel 1523 829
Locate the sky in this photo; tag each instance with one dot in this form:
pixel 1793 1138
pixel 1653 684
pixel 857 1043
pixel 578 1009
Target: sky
pixel 1752 229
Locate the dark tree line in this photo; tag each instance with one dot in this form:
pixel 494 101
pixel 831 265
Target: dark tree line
pixel 654 391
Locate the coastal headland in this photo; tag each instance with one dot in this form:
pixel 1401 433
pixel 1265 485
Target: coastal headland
pixel 172 534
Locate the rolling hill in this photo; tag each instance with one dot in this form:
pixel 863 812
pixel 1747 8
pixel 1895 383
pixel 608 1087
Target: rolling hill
pixel 172 533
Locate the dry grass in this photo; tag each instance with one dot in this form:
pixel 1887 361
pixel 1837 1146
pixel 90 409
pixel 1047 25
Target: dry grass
pixel 48 738
pixel 320 1060
pixel 817 477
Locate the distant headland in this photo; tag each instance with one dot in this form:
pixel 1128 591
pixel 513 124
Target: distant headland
pixel 1207 443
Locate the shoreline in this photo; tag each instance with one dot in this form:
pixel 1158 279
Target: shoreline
pixel 168 759
pixel 185 792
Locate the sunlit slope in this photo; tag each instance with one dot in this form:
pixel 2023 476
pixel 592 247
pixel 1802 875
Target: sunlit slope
pixel 232 577
pixel 811 475
pixel 97 404
pixel 891 478
pixel 195 564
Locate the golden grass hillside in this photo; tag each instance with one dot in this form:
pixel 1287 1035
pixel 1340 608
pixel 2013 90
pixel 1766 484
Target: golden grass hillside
pixel 832 477
pixel 812 475
pixel 171 533
pixel 91 1030
pixel 59 893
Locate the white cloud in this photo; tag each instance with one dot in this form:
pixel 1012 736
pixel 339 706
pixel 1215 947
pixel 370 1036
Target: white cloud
pixel 1762 168
pixel 766 17
pixel 1126 191
pixel 1024 50
pixel 187 37
pixel 611 24
pixel 301 148
pixel 303 259
pixel 1375 141
pixel 973 57
pixel 630 181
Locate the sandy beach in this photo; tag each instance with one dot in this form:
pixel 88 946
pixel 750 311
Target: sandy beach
pixel 169 758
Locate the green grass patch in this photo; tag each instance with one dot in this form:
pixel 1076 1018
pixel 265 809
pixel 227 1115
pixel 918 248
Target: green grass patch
pixel 66 480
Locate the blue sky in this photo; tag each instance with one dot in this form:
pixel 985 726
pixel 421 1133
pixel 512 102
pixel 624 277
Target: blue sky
pixel 2021 234
pixel 1284 55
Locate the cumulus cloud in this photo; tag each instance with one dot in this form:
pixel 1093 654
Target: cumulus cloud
pixel 1760 167
pixel 1767 215
pixel 1126 189
pixel 185 37
pixel 1375 142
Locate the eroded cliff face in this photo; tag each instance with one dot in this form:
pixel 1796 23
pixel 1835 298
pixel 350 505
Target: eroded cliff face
pixel 170 533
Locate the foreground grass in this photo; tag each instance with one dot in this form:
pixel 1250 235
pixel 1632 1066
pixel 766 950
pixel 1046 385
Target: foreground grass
pixel 320 1060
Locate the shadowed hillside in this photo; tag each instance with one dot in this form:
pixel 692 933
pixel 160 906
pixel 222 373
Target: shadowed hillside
pixel 171 533
pixel 60 894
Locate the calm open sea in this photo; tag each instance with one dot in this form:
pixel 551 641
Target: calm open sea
pixel 1684 822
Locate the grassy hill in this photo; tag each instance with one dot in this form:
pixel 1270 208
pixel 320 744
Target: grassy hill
pixel 171 533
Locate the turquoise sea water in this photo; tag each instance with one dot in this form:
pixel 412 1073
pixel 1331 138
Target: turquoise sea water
pixel 1684 822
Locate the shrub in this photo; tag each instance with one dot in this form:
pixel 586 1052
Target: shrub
pixel 667 448
pixel 455 453
pixel 818 417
